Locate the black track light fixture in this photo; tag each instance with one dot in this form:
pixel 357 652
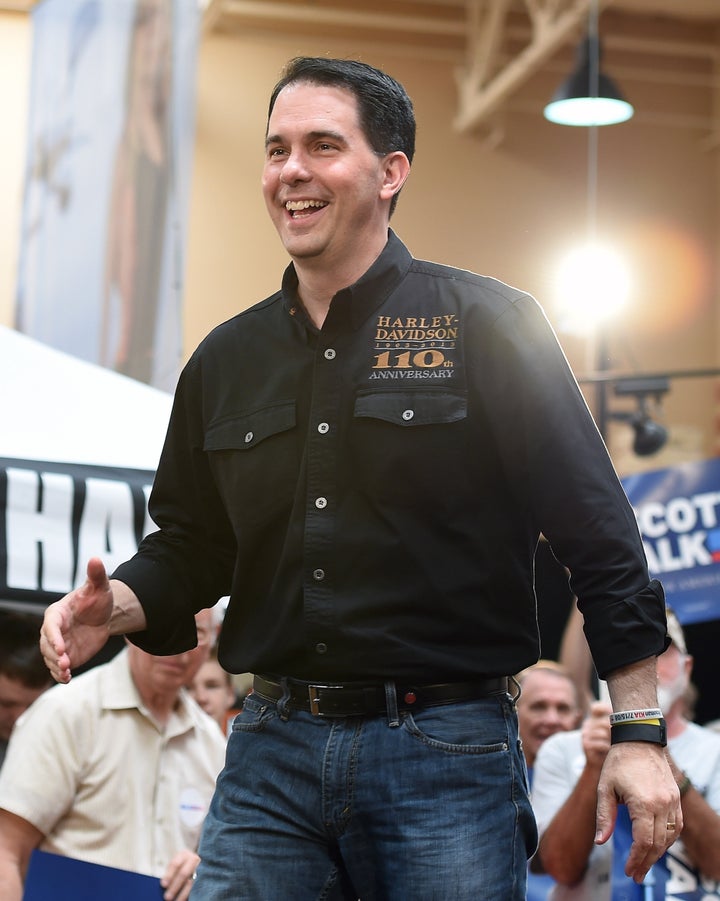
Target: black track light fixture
pixel 588 97
pixel 650 435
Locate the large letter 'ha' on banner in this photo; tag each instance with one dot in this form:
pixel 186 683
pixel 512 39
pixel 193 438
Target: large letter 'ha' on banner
pixel 110 141
pixel 57 516
pixel 678 512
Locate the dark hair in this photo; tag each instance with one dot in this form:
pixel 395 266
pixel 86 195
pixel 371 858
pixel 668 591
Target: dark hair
pixel 386 112
pixel 20 657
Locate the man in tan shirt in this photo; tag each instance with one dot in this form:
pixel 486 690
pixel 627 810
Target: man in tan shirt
pixel 117 768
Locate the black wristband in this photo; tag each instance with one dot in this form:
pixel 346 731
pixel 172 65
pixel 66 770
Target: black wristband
pixel 639 732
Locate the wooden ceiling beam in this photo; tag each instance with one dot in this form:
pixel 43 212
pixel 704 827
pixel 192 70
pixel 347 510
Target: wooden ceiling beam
pixel 306 14
pixel 553 25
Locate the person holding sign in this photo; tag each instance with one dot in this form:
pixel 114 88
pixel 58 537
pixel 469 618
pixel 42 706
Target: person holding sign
pixel 567 771
pixel 116 769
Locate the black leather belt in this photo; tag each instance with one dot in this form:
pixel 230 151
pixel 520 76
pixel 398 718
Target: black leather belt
pixel 361 699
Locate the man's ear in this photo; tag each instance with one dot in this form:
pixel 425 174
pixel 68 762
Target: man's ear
pixel 395 173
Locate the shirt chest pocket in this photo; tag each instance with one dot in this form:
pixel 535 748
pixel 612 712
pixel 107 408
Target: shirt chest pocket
pixel 406 439
pixel 412 408
pixel 245 431
pixel 254 458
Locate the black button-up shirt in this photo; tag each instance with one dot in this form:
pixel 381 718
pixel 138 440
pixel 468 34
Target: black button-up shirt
pixel 371 494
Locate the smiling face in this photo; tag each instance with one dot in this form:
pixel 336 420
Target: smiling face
pixel 213 690
pixel 166 675
pixel 328 193
pixel 547 705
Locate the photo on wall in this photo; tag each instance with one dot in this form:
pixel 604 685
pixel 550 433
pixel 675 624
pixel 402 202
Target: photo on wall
pixel 111 131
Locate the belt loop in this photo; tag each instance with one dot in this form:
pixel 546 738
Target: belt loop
pixel 391 704
pixel 283 704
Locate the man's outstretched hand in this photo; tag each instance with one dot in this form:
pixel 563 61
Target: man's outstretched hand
pixel 77 626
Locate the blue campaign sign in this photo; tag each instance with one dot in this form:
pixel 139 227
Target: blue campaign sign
pixel 67 879
pixel 678 512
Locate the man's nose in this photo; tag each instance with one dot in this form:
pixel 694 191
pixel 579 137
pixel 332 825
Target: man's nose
pixel 295 168
pixel 553 715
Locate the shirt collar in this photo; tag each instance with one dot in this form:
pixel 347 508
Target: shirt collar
pixel 360 299
pixel 117 689
pixel 118 692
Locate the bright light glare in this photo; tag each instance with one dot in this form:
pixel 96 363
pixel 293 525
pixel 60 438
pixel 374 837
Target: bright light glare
pixel 593 285
pixel 587 111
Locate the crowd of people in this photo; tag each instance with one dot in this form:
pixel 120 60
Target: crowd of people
pixel 117 769
pixel 364 463
pixel 565 755
pixel 135 715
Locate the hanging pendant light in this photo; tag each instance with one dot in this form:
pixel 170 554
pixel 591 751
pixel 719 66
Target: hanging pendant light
pixel 588 97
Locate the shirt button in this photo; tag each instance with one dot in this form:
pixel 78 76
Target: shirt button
pixel 330 354
pixel 323 428
pixel 249 437
pixel 407 415
pixel 321 503
pixel 318 575
pixel 321 647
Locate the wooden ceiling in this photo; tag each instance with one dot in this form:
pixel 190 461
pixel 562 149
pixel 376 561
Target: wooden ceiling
pixel 496 46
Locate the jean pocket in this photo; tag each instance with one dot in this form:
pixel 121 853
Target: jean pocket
pixel 473 727
pixel 255 714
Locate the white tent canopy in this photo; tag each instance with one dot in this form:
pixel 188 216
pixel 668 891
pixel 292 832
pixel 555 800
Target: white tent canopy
pixel 57 407
pixel 78 448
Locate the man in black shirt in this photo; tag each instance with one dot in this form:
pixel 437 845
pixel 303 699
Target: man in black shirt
pixel 364 461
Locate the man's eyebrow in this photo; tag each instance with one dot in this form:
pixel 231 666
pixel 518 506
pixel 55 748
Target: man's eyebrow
pixel 310 136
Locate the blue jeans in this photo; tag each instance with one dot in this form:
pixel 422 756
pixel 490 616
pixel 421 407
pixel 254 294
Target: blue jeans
pixel 428 806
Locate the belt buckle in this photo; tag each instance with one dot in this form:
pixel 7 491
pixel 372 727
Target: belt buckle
pixel 314 698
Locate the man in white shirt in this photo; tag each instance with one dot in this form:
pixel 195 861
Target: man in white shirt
pixel 548 703
pixel 117 768
pixel 564 794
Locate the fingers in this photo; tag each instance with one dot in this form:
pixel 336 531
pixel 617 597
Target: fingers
pixel 52 643
pixel 58 666
pixel 651 837
pixel 638 774
pixel 182 893
pixel 651 840
pixel 605 816
pixel 600 709
pixel 97 575
pixel 90 604
pixel 180 876
pixel 596 738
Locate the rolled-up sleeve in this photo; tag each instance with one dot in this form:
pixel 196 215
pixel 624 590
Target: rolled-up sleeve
pixel 560 469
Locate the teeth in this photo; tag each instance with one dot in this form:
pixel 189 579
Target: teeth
pixel 294 206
